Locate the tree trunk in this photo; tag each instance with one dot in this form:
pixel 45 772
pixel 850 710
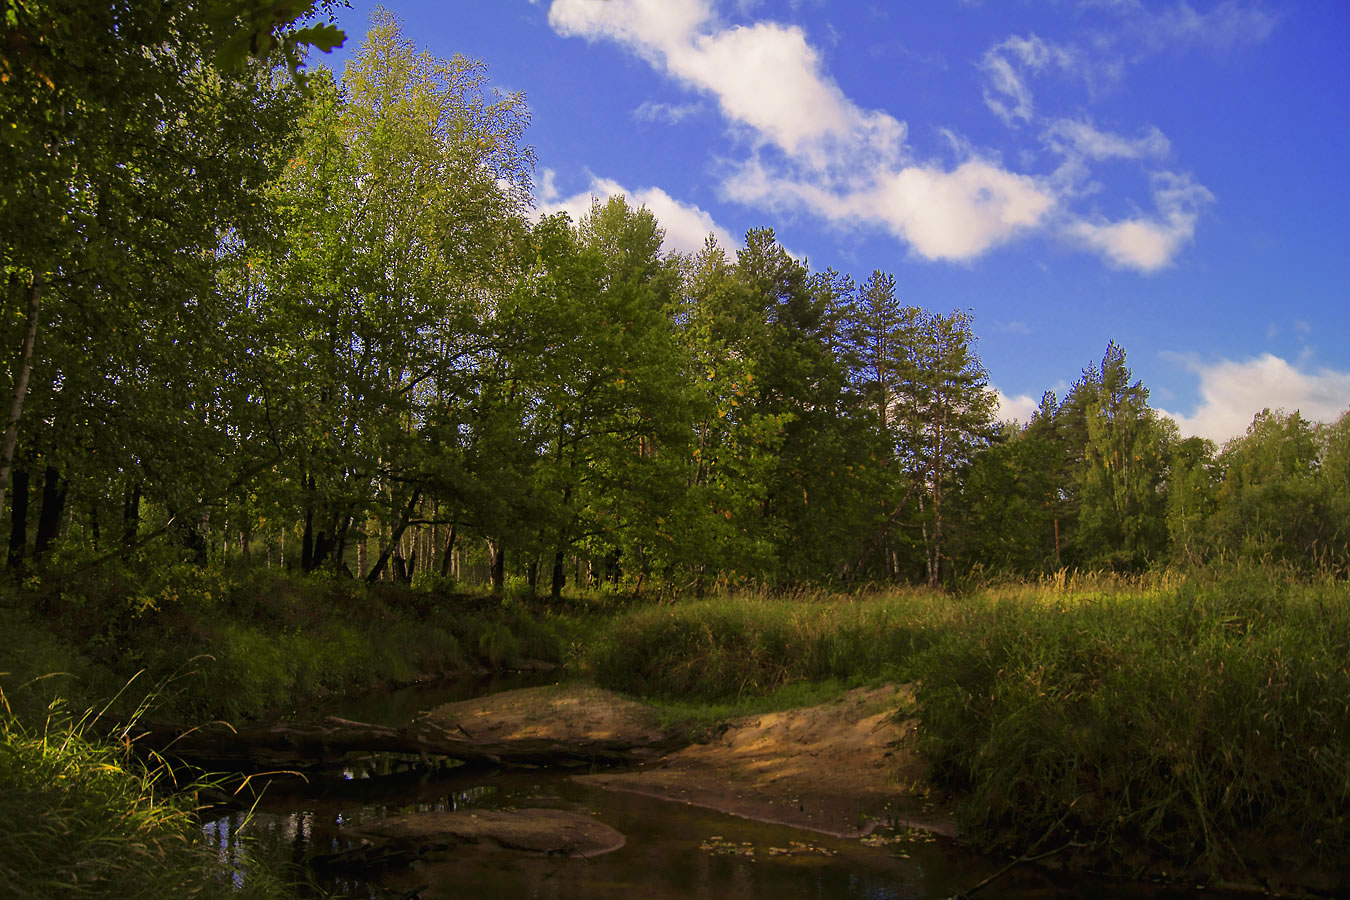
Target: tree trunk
pixel 880 537
pixel 448 555
pixel 189 537
pixel 362 542
pixel 307 543
pixel 18 520
pixel 498 552
pixel 25 368
pixel 555 590
pixel 394 537
pixel 54 489
pixel 935 553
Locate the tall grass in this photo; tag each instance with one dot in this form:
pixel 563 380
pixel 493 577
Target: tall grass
pixel 80 818
pixel 1200 719
pixel 1207 722
pixel 727 648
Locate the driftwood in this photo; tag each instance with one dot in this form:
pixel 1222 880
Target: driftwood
pixel 291 745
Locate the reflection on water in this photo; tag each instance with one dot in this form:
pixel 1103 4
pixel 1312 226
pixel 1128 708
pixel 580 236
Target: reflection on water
pixel 665 855
pixel 399 706
pixel 673 851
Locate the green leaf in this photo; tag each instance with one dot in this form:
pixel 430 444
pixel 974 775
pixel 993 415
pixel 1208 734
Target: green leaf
pixel 324 36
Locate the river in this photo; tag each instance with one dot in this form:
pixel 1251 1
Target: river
pixel 673 850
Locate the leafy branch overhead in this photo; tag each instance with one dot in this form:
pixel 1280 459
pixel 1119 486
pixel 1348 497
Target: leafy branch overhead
pixel 263 29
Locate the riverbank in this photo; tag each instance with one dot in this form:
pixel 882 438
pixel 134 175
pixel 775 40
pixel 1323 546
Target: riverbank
pixel 839 768
pixel 1189 728
pixel 1193 728
pixel 198 645
pixel 80 815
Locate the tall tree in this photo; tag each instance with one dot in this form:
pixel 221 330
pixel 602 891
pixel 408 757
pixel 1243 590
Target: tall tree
pixel 1274 502
pixel 121 134
pixel 404 209
pixel 1122 481
pixel 944 415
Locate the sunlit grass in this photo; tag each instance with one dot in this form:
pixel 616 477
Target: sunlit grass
pixel 80 817
pixel 1200 717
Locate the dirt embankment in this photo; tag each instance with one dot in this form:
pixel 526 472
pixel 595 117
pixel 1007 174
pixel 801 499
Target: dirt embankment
pixel 836 768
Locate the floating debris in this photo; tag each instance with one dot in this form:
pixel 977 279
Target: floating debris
pixel 721 847
pixel 803 847
pixel 900 836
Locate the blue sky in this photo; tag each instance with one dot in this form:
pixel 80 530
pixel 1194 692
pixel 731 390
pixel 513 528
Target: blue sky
pixel 1174 176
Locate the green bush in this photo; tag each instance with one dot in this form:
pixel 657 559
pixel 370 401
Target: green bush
pixel 1205 721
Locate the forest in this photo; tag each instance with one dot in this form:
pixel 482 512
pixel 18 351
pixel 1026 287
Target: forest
pixel 293 352
pixel 370 358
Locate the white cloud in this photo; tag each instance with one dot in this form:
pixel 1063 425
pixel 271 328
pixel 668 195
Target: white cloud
pixel 1232 393
pixel 953 216
pixel 643 25
pixel 1006 66
pixel 1081 138
pixel 1148 243
pixel 841 162
pixel 686 225
pixel 669 113
pixel 812 150
pixel 765 76
pixel 1227 25
pixel 1015 409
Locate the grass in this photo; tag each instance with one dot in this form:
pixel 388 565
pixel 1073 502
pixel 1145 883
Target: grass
pixel 1200 722
pixel 731 648
pixel 251 644
pixel 700 718
pixel 1207 723
pixel 80 817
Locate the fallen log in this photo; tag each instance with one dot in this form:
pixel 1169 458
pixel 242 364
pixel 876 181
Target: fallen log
pixel 303 745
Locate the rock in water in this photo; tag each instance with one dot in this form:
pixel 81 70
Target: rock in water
pixel 541 832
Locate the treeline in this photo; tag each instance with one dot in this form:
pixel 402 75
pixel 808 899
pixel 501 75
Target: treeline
pixel 320 328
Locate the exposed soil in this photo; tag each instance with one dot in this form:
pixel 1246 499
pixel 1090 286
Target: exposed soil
pixel 558 713
pixel 837 768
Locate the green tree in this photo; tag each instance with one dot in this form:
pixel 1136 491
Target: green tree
pixel 944 414
pixel 1275 502
pixel 601 389
pixel 404 209
pixel 120 133
pixel 1006 512
pixel 1122 478
pixel 1192 486
pixel 735 444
